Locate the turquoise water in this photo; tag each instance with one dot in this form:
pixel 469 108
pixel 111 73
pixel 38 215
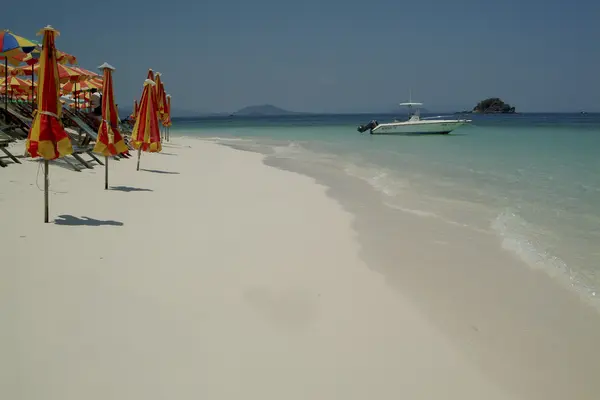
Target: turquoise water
pixel 531 180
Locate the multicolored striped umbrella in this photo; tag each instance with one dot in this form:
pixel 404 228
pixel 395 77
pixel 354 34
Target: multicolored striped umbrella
pixel 11 46
pixel 47 137
pixel 146 135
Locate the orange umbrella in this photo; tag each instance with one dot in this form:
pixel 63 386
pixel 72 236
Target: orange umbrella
pixel 89 84
pixel 8 70
pixel 65 73
pixel 110 142
pixel 146 135
pixel 47 137
pixel 15 83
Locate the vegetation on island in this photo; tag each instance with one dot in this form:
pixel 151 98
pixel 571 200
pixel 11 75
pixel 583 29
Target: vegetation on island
pixel 493 105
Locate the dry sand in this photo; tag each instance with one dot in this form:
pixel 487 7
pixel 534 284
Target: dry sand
pixel 207 275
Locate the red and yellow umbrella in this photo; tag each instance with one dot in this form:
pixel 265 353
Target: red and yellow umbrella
pixel 47 137
pixel 110 142
pixel 134 113
pixel 65 74
pixel 160 105
pixel 146 135
pixel 89 84
pixel 8 70
pixel 169 123
pixel 14 83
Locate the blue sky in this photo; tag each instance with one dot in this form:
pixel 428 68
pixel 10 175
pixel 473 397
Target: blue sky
pixel 337 56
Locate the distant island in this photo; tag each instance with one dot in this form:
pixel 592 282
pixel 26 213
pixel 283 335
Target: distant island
pixel 493 105
pixel 262 110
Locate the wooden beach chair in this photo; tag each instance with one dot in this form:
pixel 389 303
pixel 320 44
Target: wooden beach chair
pixel 16 121
pixel 5 140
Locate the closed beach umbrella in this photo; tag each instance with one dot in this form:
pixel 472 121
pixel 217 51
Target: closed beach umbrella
pixel 110 142
pixel 160 101
pixel 160 105
pixel 168 113
pixel 146 135
pixel 47 137
pixel 134 113
pixel 12 46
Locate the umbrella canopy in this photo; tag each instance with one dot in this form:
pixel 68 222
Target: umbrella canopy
pixel 15 83
pixel 47 137
pixel 85 72
pixel 110 142
pixel 65 74
pixel 8 70
pixel 33 57
pixel 12 46
pixel 146 135
pixel 89 84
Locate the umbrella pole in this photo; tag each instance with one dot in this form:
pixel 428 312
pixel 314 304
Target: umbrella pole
pixel 5 82
pixel 139 155
pixel 46 191
pixel 105 172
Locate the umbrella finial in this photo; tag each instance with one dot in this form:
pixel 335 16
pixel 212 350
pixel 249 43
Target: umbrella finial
pixel 169 96
pixel 157 73
pixel 48 28
pixel 149 82
pixel 106 66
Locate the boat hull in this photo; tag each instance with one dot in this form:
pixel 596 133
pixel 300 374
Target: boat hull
pixel 418 127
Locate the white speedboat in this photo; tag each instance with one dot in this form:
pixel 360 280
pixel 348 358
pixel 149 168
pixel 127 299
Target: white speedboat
pixel 414 125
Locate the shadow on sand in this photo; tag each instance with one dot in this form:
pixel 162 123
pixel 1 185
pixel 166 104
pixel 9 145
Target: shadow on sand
pixel 129 189
pixel 156 171
pixel 84 221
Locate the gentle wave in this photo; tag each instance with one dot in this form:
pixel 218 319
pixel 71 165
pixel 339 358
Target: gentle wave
pixel 525 241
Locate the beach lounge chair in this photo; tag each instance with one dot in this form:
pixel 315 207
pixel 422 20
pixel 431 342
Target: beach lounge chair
pixel 80 119
pixel 5 140
pixel 15 120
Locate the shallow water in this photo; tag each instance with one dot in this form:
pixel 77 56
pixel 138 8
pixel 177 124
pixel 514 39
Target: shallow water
pixel 531 180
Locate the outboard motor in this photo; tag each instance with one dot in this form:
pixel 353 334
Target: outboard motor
pixel 368 127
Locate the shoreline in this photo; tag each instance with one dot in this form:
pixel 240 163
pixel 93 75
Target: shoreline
pixel 525 328
pixel 224 273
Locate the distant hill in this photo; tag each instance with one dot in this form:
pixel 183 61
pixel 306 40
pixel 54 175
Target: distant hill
pixel 262 110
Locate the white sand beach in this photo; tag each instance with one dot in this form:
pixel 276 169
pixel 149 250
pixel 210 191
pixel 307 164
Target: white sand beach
pixel 206 275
